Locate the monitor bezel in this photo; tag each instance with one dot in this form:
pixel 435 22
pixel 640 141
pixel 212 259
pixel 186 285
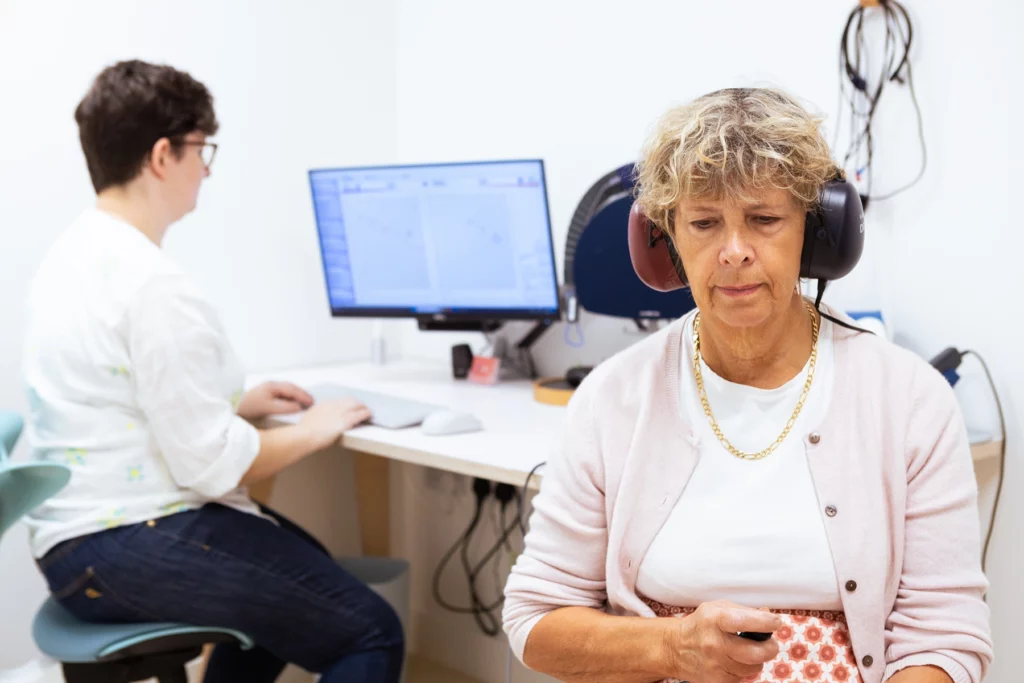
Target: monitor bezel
pixel 442 314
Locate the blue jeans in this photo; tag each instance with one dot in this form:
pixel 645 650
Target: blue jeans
pixel 220 567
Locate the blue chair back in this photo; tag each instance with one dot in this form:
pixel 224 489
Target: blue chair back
pixel 23 486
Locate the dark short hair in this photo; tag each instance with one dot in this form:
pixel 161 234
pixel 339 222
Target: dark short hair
pixel 129 107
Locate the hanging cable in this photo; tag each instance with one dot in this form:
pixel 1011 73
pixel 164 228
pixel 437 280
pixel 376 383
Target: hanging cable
pixel 486 614
pixel 567 335
pixel 817 306
pixel 482 613
pixel 863 96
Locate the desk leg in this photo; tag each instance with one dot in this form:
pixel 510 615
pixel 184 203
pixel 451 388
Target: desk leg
pixel 373 497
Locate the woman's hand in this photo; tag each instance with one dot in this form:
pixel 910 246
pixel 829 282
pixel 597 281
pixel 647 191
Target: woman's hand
pixel 704 648
pixel 326 421
pixel 273 398
pixel 320 427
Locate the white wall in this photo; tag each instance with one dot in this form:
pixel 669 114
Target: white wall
pixel 296 85
pixel 579 83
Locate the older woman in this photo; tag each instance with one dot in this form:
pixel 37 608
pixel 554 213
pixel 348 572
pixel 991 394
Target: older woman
pixel 754 468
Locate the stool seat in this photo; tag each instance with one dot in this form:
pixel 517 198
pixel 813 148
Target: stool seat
pixel 63 637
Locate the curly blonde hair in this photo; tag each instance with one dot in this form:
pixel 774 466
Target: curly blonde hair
pixel 732 143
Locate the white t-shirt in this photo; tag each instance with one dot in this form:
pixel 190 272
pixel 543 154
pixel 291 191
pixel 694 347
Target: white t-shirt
pixel 131 383
pixel 747 531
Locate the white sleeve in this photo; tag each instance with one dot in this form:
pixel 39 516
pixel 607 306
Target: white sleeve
pixel 177 350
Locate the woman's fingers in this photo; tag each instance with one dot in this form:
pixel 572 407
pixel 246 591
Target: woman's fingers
pixel 292 392
pixel 747 653
pixel 744 619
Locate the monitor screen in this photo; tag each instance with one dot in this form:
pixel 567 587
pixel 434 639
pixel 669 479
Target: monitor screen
pixel 444 241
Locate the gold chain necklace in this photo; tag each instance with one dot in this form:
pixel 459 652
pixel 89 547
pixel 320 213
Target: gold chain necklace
pixel 796 411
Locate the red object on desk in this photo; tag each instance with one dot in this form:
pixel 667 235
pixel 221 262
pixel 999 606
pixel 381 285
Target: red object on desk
pixel 484 370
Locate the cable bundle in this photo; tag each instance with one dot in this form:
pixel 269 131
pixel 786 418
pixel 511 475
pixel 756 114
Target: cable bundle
pixel 487 615
pixel 863 96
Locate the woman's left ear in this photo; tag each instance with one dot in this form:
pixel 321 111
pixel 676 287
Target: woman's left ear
pixel 158 156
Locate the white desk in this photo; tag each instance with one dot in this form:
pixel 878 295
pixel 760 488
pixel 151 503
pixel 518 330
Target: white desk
pixel 518 433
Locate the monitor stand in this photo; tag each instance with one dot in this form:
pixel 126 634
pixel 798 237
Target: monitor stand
pixel 517 361
pixel 486 326
pixel 522 358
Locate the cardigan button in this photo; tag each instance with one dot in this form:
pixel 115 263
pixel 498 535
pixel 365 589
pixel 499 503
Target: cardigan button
pixel 868 660
pixel 851 586
pixel 831 511
pixel 814 437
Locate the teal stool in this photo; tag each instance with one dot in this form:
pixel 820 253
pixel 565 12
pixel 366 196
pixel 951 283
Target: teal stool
pixel 94 653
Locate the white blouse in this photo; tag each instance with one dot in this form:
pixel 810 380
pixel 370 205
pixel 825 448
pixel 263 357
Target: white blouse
pixel 131 383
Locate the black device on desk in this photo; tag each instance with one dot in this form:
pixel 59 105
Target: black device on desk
pixel 462 360
pixel 576 374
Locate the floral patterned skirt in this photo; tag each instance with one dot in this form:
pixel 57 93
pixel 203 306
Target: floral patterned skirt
pixel 814 647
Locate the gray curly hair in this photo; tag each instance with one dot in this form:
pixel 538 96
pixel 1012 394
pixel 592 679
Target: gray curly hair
pixel 732 143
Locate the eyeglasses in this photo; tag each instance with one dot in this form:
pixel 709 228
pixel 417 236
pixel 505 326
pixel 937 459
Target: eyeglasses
pixel 207 150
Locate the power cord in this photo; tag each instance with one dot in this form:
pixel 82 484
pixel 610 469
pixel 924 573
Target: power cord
pixel 1002 455
pixel 484 613
pixel 505 494
pixel 526 488
pixel 817 306
pixel 567 337
pixel 946 362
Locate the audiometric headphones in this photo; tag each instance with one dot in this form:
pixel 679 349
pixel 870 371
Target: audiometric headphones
pixel 833 241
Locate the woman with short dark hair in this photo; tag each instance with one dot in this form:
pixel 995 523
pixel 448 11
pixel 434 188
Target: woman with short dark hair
pixel 134 385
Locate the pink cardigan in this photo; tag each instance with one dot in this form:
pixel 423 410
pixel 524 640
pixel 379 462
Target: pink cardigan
pixel 891 466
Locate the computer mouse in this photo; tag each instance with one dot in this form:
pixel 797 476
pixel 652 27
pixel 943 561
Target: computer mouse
pixel 575 375
pixel 444 422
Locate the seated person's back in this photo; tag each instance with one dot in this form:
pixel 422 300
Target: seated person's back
pixel 100 303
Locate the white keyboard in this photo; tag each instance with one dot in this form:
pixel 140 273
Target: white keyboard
pixel 390 412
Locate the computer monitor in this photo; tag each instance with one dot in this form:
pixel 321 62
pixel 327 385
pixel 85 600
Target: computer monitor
pixel 448 243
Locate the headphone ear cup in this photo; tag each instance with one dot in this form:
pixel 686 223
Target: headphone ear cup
pixel 650 251
pixel 813 233
pixel 833 233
